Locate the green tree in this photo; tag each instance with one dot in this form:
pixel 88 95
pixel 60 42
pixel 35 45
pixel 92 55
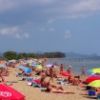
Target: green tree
pixel 21 55
pixel 31 55
pixel 9 55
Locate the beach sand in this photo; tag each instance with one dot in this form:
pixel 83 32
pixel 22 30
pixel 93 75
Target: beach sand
pixel 32 93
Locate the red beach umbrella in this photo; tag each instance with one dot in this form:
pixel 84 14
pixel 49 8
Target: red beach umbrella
pixel 92 78
pixel 8 93
pixel 64 73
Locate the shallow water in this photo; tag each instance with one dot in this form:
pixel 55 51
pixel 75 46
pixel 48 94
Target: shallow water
pixel 76 63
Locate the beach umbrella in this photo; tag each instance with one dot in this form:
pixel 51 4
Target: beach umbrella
pixel 95 83
pixel 34 64
pixel 92 78
pixel 2 65
pixel 8 93
pixel 94 71
pixel 29 61
pixel 12 61
pixel 25 69
pixel 39 67
pixel 64 73
pixel 21 67
pixel 49 65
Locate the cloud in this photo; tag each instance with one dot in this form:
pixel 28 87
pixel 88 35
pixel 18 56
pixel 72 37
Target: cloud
pixel 50 9
pixel 15 32
pixel 75 8
pixel 6 5
pixel 83 7
pixel 42 29
pixel 50 21
pixel 47 29
pixel 51 29
pixel 22 36
pixel 68 34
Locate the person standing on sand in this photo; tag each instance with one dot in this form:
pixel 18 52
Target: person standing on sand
pixel 52 73
pixel 69 70
pixel 1 76
pixel 61 68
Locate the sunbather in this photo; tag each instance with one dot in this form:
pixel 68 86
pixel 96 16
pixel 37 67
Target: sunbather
pixel 50 87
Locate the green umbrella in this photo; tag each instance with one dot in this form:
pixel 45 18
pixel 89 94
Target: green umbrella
pixel 95 83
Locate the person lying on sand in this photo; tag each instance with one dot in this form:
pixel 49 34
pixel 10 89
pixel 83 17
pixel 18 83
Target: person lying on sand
pixel 50 87
pixel 56 89
pixel 74 80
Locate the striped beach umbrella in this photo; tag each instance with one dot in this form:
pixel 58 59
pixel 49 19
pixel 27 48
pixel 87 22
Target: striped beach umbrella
pixel 92 78
pixel 95 83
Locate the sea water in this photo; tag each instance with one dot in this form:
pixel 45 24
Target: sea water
pixel 76 63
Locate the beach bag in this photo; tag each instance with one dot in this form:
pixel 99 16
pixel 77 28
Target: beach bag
pixel 91 93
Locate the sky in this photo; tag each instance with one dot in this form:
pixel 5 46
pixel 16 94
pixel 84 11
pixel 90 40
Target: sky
pixel 50 25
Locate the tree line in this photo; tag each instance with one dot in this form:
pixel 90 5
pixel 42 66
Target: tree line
pixel 9 55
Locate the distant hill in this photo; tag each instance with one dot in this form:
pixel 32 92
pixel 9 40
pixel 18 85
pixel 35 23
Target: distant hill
pixel 76 55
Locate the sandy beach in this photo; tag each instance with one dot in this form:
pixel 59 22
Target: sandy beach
pixel 49 50
pixel 32 93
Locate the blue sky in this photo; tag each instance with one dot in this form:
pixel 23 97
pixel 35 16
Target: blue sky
pixel 50 25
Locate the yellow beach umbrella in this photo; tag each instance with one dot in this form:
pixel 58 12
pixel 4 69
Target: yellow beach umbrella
pixel 94 71
pixel 39 67
pixel 95 83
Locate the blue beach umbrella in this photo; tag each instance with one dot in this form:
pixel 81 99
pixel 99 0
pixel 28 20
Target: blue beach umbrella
pixel 25 69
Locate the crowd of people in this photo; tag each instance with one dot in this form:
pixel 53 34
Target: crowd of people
pixel 48 77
